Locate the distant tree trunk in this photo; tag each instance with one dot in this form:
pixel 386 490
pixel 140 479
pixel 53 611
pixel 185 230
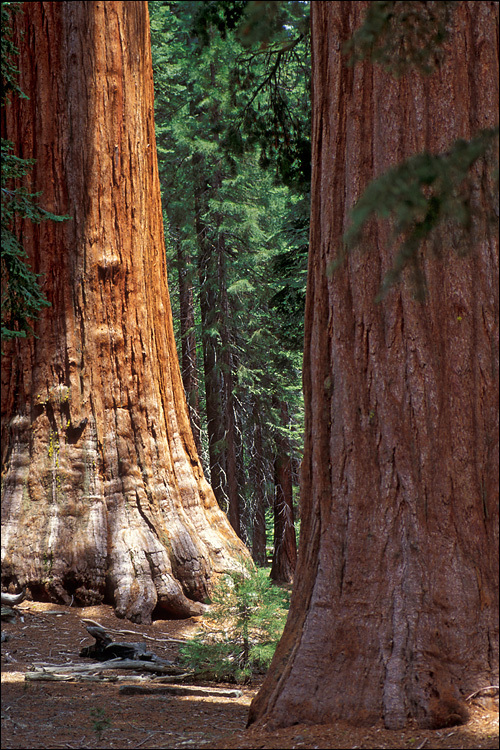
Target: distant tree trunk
pixel 209 306
pixel 394 612
pixel 103 494
pixel 230 440
pixel 189 365
pixel 231 458
pixel 259 552
pixel 218 360
pixel 285 543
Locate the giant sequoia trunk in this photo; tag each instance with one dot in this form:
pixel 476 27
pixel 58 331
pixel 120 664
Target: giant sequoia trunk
pixel 394 611
pixel 103 496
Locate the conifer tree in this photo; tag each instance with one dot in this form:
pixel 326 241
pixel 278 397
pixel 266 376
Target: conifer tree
pixel 22 297
pixel 225 205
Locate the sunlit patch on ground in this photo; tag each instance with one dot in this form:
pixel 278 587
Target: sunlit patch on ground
pixel 95 715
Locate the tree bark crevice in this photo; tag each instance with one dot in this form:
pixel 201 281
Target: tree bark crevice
pixel 88 507
pixel 394 610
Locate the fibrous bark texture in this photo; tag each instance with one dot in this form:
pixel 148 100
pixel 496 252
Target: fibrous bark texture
pixel 103 492
pixel 394 612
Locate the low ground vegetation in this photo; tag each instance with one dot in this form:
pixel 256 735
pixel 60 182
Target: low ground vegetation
pixel 238 638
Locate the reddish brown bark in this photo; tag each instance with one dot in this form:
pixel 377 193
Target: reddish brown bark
pixel 103 491
pixel 285 543
pixel 394 612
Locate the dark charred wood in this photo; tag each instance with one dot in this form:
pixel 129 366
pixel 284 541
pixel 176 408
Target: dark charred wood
pixel 114 650
pixel 105 648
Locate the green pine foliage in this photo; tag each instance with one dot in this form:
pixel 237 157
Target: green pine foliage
pixel 240 634
pixel 8 65
pixel 402 36
pixel 270 82
pixel 22 298
pixel 232 128
pixel 429 198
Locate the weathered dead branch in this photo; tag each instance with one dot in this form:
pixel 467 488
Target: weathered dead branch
pixel 135 665
pixel 179 690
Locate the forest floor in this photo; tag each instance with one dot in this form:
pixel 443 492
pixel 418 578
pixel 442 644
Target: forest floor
pixel 96 715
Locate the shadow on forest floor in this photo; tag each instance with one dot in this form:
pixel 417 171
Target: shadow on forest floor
pixel 96 715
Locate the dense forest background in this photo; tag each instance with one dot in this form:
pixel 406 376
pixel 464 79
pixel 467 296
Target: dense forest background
pixel 233 137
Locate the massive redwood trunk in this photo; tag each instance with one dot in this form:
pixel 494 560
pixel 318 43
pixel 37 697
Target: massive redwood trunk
pixel 103 492
pixel 395 606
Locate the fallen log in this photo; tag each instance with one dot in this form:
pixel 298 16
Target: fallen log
pixel 95 675
pixel 179 690
pixel 105 649
pixel 54 677
pixel 93 623
pixel 136 665
pixel 49 676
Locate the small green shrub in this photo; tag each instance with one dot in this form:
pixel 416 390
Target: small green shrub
pixel 101 721
pixel 242 629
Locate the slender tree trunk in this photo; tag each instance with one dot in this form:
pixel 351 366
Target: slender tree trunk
pixel 209 305
pixel 189 366
pixel 230 441
pixel 231 463
pixel 259 552
pixel 103 495
pixel 394 612
pixel 285 543
pixel 218 362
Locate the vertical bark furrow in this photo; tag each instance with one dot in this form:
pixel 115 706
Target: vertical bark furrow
pixel 394 610
pixel 105 351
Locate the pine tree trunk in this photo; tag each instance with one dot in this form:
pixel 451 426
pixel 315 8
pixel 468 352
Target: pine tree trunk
pixel 230 438
pixel 189 365
pixel 258 474
pixel 209 305
pixel 394 613
pixel 285 543
pixel 103 496
pixel 218 361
